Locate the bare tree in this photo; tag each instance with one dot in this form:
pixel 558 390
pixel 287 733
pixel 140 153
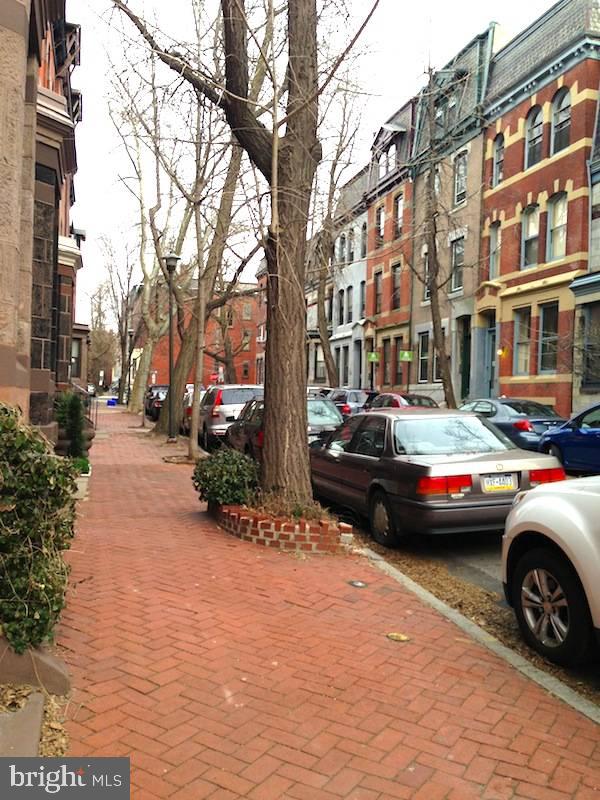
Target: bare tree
pixel 287 161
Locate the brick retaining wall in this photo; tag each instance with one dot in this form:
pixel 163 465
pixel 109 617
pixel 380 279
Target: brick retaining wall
pixel 302 536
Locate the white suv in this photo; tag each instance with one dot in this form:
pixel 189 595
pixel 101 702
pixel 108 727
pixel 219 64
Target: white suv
pixel 551 568
pixel 220 406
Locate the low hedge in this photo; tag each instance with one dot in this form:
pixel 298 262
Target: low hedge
pixel 37 515
pixel 226 477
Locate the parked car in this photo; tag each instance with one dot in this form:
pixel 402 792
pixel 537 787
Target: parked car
pixel 220 406
pixel 576 443
pixel 523 421
pixel 349 401
pixel 246 434
pixel 153 400
pixel 551 568
pixel 188 399
pixel 402 400
pixel 430 471
pixel 319 391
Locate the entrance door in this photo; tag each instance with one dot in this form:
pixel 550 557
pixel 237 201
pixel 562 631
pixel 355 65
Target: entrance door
pixel 465 358
pixel 490 359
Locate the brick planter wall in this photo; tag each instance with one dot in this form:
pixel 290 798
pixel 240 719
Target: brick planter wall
pixel 301 536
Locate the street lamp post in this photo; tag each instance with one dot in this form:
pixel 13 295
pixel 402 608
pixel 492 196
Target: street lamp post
pixel 130 351
pixel 171 261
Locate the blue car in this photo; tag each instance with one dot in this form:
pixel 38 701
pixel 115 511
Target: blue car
pixel 577 442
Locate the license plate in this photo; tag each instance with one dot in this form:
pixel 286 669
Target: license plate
pixel 500 483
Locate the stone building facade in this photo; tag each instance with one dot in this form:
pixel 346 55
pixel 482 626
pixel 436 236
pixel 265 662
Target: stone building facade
pixel 39 255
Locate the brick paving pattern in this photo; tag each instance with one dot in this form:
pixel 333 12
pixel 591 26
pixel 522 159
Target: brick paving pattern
pixel 229 671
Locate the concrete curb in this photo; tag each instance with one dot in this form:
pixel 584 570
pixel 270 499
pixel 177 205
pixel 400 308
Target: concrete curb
pixel 20 731
pixel 547 682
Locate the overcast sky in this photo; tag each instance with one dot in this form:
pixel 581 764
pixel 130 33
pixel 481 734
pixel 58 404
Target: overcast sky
pixel 403 37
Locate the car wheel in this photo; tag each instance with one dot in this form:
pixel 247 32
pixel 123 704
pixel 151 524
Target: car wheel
pixel 381 520
pixel 205 439
pixel 553 450
pixel 551 607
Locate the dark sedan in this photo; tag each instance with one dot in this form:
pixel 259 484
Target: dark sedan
pixel 430 471
pixel 246 434
pixel 523 421
pixel 577 442
pixel 153 400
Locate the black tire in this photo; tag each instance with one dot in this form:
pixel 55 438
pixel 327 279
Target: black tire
pixel 554 450
pixel 381 520
pixel 564 633
pixel 205 440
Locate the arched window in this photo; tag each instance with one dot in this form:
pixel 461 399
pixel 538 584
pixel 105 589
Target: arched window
pixel 392 157
pixel 498 170
pixel 351 245
pixel 340 316
pixel 533 137
pixel 363 240
pixel 382 164
pixel 398 214
pixel 561 120
pixel 557 227
pixel 342 251
pixel 495 244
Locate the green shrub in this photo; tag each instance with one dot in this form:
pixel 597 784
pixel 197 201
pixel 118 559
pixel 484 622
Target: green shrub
pixel 37 513
pixel 69 415
pixel 82 465
pixel 226 477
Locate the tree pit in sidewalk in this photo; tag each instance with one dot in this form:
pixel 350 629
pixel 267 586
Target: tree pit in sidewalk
pixel 292 534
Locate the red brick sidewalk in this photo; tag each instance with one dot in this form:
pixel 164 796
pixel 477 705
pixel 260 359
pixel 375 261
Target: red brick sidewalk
pixel 227 671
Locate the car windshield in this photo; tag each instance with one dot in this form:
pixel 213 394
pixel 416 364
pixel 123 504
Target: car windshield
pixel 323 412
pixel 433 436
pixel 241 395
pixel 530 408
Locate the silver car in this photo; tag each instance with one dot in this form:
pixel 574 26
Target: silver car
pixel 220 406
pixel 551 568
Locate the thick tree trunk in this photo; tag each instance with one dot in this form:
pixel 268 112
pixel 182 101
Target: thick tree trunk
pixel 286 470
pixel 125 367
pixel 229 360
pixel 181 371
pixel 136 400
pixel 330 368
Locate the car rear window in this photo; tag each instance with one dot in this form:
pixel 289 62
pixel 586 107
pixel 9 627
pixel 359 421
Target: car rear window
pixel 530 408
pixel 420 400
pixel 358 397
pixel 338 397
pixel 435 436
pixel 237 397
pixel 323 412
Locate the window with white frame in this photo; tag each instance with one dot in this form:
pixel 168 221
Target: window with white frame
pixel 319 363
pixel 437 373
pixel 534 133
pixel 351 245
pixel 363 299
pixel 392 157
pixel 423 357
pixel 495 243
pixel 345 365
pixel 382 166
pixel 548 355
pixel 530 227
pixel 246 340
pixel 363 240
pixel 379 226
pixel 522 341
pixel 460 178
pixel 378 292
pixel 245 370
pixel 247 311
pixel 398 214
pixel 396 285
pixel 557 226
pixel 426 276
pixel 342 249
pixel 498 166
pixel 349 301
pixel 458 263
pixel 340 315
pixel 561 120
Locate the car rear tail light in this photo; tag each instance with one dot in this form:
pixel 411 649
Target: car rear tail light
pixel 157 403
pixel 444 484
pixel 218 400
pixel 523 425
pixel 537 476
pixel 188 411
pixel 345 409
